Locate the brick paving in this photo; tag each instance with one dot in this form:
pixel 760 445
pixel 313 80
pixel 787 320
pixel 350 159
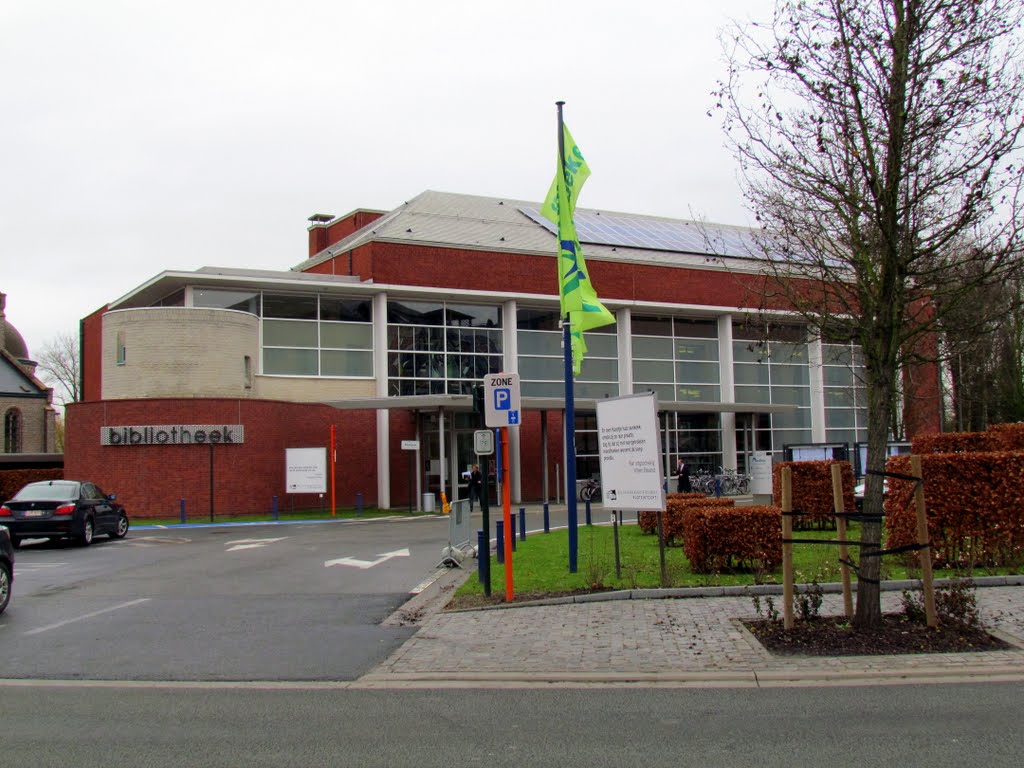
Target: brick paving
pixel 670 641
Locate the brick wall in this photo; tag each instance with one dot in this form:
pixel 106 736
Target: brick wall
pixel 150 480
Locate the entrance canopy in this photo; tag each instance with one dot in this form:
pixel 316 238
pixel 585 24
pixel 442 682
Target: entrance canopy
pixel 465 403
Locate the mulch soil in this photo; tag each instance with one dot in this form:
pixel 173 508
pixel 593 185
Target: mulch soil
pixel 833 636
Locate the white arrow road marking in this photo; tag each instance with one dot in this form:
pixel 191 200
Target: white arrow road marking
pixel 364 564
pixel 250 543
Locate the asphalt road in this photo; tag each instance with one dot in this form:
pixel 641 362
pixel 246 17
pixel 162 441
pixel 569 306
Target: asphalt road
pixel 285 602
pixel 938 726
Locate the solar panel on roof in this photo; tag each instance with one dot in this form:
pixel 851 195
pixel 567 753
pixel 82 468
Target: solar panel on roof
pixel 654 234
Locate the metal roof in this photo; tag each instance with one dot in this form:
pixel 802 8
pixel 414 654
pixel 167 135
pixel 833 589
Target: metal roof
pixel 452 220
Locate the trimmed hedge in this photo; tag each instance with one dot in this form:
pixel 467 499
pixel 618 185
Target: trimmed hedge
pixel 12 480
pixel 812 491
pixel 952 442
pixel 721 539
pixel 998 437
pixel 974 504
pixel 676 506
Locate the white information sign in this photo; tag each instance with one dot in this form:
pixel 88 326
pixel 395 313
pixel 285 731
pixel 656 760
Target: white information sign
pixel 502 404
pixel 410 445
pixel 483 442
pixel 630 445
pixel 306 470
pixel 761 472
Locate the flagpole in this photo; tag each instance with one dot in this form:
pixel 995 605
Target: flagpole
pixel 570 401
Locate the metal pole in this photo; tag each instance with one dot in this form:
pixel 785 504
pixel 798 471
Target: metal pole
pixel 211 482
pixel 570 402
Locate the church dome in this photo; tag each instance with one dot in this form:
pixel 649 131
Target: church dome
pixel 12 340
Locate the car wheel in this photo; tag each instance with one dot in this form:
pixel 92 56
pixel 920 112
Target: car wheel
pixel 87 531
pixel 122 527
pixel 5 586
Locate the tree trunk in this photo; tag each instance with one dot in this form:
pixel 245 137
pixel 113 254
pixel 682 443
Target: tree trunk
pixel 869 595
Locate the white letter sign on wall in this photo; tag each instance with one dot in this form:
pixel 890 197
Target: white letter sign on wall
pixel 630 444
pixel 306 470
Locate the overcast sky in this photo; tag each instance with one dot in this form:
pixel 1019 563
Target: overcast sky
pixel 144 135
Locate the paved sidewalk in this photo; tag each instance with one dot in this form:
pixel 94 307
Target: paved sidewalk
pixel 664 642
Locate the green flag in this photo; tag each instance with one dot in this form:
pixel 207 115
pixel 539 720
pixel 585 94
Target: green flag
pixel 578 298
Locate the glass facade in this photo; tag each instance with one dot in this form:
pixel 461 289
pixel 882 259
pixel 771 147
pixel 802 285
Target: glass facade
pixel 677 358
pixel 846 416
pixel 542 362
pixel 770 366
pixel 440 347
pixel 304 334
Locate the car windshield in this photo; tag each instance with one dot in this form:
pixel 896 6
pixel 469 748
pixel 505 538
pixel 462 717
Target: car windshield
pixel 58 490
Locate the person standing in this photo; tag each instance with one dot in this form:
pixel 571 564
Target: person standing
pixel 476 484
pixel 683 476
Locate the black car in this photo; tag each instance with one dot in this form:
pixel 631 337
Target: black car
pixel 6 568
pixel 57 509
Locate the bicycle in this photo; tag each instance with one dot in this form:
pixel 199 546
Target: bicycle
pixel 589 489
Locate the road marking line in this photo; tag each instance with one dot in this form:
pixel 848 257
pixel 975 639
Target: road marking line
pixel 87 616
pixel 250 543
pixel 364 564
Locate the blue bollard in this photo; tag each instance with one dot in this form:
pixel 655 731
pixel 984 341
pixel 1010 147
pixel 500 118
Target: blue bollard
pixel 483 556
pixel 275 508
pixel 183 516
pixel 547 518
pixel 589 521
pixel 359 504
pixel 499 535
pixel 522 523
pixel 512 532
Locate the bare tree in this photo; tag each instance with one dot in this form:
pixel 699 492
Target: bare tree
pixel 878 143
pixel 985 373
pixel 60 367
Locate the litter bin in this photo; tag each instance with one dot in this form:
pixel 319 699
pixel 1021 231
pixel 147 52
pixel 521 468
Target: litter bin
pixel 428 502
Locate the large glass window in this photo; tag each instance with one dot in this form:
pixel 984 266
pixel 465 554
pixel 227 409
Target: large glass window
pixel 216 298
pixel 676 357
pixel 845 395
pixel 542 361
pixel 770 367
pixel 695 437
pixel 307 335
pixel 439 347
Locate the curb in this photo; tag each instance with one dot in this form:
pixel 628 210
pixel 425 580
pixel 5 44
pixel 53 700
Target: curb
pixel 744 591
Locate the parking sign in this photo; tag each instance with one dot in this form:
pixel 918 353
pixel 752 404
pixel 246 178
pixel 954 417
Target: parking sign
pixel 502 406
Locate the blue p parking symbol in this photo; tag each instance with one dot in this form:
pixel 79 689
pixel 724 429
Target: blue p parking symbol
pixel 502 399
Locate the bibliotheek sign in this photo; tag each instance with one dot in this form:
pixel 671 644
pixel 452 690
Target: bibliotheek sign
pixel 173 434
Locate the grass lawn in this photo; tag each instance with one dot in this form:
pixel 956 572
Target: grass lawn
pixel 541 565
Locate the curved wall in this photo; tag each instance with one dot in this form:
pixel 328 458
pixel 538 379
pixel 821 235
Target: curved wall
pixel 179 352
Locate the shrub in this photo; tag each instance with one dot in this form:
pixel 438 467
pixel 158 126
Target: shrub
pixel 721 538
pixel 953 442
pixel 812 491
pixel 12 480
pixel 675 511
pixel 974 504
pixel 955 602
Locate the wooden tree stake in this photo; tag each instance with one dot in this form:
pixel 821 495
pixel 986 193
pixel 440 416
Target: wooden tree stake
pixel 922 538
pixel 844 551
pixel 787 549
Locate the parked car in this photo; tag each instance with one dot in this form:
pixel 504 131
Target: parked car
pixel 6 568
pixel 57 509
pixel 858 493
